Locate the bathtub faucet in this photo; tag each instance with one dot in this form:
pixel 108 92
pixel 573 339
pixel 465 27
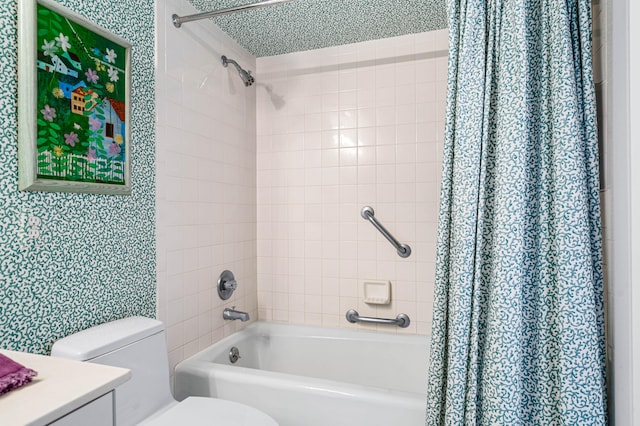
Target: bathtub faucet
pixel 232 314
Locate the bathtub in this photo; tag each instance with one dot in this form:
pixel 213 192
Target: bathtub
pixel 314 376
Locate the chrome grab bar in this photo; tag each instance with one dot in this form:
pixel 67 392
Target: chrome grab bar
pixel 402 320
pixel 403 249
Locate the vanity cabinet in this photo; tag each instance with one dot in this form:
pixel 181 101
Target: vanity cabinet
pixel 98 412
pixel 64 393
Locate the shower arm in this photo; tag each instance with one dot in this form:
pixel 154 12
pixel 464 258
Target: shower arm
pixel 226 61
pixel 179 20
pixel 245 75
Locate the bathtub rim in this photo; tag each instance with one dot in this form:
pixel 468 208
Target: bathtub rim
pixel 199 364
pixel 319 332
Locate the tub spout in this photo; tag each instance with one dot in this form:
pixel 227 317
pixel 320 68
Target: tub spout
pixel 232 314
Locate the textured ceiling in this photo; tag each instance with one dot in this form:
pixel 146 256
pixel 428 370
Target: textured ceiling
pixel 313 24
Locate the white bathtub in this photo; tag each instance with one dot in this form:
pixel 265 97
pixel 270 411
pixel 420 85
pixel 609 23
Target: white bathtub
pixel 312 376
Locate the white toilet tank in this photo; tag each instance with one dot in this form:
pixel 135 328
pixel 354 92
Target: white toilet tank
pixel 136 343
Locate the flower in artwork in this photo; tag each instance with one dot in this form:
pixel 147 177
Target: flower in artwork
pixel 77 126
pixel 111 56
pixel 63 42
pixel 118 139
pixel 71 138
pixel 91 154
pixel 110 87
pixel 48 113
pixel 100 66
pixel 49 48
pixel 58 151
pixel 114 149
pixel 113 74
pixel 94 123
pixel 57 93
pixel 91 75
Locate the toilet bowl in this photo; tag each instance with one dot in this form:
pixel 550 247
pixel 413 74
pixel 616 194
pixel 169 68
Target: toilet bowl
pixel 138 343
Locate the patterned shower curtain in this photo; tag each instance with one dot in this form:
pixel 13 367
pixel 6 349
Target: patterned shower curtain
pixel 518 324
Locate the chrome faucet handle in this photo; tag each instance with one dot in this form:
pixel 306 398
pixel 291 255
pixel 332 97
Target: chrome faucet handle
pixel 226 285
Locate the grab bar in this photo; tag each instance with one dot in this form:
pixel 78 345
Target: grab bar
pixel 403 249
pixel 402 320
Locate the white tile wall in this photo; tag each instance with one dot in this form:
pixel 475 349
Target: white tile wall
pixel 206 181
pixel 340 128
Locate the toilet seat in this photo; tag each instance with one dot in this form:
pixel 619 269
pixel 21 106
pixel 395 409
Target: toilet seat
pixel 195 411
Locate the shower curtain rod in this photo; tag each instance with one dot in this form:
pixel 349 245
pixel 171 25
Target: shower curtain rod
pixel 179 20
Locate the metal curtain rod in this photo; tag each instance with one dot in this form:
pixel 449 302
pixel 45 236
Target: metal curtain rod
pixel 403 250
pixel 179 20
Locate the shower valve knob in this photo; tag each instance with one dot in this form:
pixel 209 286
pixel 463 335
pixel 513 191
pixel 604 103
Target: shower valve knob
pixel 230 285
pixel 227 284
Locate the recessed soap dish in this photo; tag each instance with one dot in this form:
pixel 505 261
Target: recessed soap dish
pixel 377 292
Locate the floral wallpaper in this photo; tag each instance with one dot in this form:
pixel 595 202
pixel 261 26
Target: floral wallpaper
pixel 69 261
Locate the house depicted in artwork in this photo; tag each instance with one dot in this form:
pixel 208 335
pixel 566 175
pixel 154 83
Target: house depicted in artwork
pixel 114 128
pixel 114 120
pixel 68 87
pixel 55 64
pixel 72 59
pixel 80 102
pixel 44 63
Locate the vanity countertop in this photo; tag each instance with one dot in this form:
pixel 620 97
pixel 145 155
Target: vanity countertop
pixel 60 387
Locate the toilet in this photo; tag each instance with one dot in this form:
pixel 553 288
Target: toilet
pixel 138 343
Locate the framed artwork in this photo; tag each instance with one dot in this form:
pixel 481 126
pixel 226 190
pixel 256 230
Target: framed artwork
pixel 73 103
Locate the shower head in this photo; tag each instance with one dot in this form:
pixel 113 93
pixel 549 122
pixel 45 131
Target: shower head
pixel 246 76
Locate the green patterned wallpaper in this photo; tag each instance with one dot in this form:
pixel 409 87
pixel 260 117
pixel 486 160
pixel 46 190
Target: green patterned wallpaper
pixel 69 261
pixel 313 24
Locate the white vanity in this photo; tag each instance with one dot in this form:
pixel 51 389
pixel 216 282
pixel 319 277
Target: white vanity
pixel 64 393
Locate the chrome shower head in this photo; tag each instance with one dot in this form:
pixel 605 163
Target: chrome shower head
pixel 246 76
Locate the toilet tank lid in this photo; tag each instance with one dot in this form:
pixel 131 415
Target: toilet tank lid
pixel 104 338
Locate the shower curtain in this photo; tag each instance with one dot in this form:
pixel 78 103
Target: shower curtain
pixel 518 323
